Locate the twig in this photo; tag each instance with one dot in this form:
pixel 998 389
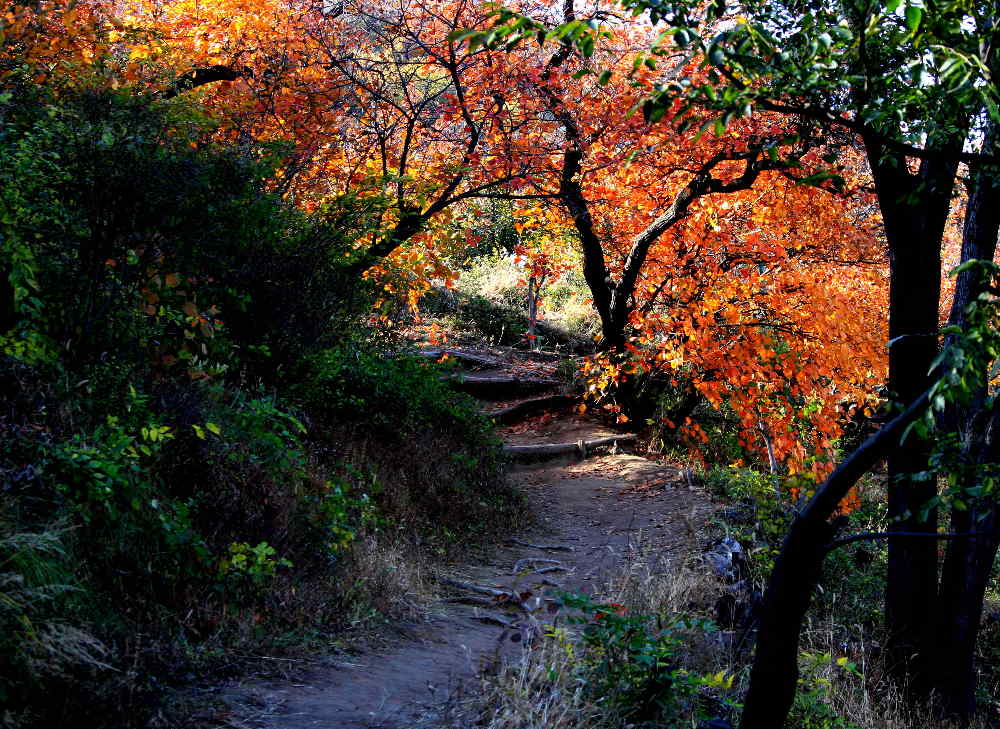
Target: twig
pixel 529 561
pixel 492 591
pixel 547 570
pixel 469 600
pixel 494 620
pixel 551 547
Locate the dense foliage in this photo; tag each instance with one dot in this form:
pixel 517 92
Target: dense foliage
pixel 212 214
pixel 194 442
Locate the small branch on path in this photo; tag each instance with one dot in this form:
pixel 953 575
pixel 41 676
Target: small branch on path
pixel 469 600
pixel 495 620
pixel 530 562
pixel 492 591
pixel 550 547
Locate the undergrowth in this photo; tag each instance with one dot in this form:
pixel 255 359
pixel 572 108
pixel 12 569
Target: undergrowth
pixel 644 652
pixel 844 682
pixel 195 465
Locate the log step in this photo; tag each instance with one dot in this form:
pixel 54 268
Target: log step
pixel 580 447
pixel 470 358
pixel 518 410
pixel 500 387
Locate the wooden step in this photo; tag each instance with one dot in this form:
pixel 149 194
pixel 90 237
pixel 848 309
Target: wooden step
pixel 581 448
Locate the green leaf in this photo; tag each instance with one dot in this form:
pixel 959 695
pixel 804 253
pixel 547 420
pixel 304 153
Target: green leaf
pixel 656 113
pixel 913 16
pixel 213 428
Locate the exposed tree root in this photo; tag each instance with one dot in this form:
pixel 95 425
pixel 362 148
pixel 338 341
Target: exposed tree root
pixel 550 547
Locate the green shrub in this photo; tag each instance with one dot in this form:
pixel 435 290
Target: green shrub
pixel 757 516
pixel 191 458
pixel 812 708
pixel 631 663
pixel 496 322
pixel 436 455
pixel 491 296
pixel 128 237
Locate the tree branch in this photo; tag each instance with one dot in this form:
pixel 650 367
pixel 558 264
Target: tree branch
pixel 701 184
pixel 907 150
pixel 203 76
pixel 836 543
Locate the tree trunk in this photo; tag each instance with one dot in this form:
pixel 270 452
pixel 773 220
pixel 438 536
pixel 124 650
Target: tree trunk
pixel 532 312
pixel 775 674
pixel 410 223
pixel 967 571
pixel 914 233
pixel 969 562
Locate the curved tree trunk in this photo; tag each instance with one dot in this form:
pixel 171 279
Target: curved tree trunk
pixel 774 676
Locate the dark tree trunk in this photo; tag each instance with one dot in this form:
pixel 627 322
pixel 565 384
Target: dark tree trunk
pixel 969 562
pixel 967 572
pixel 914 231
pixel 410 223
pixel 775 674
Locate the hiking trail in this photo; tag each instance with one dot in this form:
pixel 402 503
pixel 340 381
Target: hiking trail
pixel 590 506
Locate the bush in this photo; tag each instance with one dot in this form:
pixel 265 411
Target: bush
pixel 492 297
pixel 435 454
pixel 129 238
pixel 812 708
pixel 191 458
pixel 756 515
pixel 632 662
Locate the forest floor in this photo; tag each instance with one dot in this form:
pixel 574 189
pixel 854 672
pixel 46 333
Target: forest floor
pixel 588 514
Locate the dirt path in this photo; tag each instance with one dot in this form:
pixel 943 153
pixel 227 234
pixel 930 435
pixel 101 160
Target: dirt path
pixel 588 513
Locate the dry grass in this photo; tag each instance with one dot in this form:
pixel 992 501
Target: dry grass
pixel 387 579
pixel 575 315
pixel 539 690
pixel 40 645
pixel 871 702
pixel 544 686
